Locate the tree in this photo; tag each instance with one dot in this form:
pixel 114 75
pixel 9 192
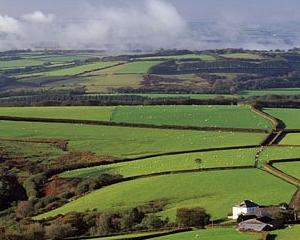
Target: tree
pixel 152 222
pixel 193 217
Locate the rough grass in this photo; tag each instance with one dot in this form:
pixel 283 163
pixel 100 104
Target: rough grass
pixel 199 116
pixel 216 191
pixel 291 139
pixel 251 56
pixel 88 113
pixel 212 234
pixel 290 117
pixel 271 91
pixel 127 236
pixel 127 142
pixel 225 158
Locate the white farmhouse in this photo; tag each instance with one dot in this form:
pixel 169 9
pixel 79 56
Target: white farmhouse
pixel 245 207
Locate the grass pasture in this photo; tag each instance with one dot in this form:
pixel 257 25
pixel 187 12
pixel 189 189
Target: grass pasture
pixel 139 67
pixel 186 190
pixel 290 233
pixel 290 168
pixel 290 117
pixel 203 57
pixel 198 116
pixel 125 141
pixel 280 152
pixel 225 158
pixel 20 63
pixel 291 139
pixel 251 56
pixel 212 234
pixel 81 112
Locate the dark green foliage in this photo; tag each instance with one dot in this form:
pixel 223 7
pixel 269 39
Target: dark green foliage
pixel 152 222
pixel 193 217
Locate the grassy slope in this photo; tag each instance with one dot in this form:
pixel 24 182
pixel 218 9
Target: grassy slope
pixel 282 152
pixel 127 236
pixel 291 168
pixel 252 56
pixel 122 141
pixel 226 188
pixel 203 57
pixel 291 139
pixel 89 113
pixel 72 70
pixel 202 116
pixel 139 67
pixel 271 91
pixel 212 234
pixel 292 233
pixel 291 117
pixel 20 63
pixel 225 158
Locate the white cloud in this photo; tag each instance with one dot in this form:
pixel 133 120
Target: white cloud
pixel 8 24
pixel 38 17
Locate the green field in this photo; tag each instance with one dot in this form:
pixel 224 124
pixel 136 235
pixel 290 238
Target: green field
pixel 127 236
pixel 140 67
pixel 271 91
pixel 127 142
pixel 203 57
pixel 212 234
pixel 290 168
pixel 226 188
pixel 290 117
pixel 225 158
pixel 291 139
pixel 199 116
pixel 20 63
pixel 89 113
pixel 280 152
pixel 251 56
pixel 70 71
pixel 290 233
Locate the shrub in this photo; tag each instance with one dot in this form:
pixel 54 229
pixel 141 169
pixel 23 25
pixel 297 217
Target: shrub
pixel 24 209
pixel 59 231
pixel 34 231
pixel 152 222
pixel 193 217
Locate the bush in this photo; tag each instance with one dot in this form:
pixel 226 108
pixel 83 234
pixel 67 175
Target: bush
pixel 193 217
pixel 24 209
pixel 152 222
pixel 59 231
pixel 34 231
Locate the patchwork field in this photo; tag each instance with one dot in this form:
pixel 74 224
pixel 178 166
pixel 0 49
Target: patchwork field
pixel 280 152
pixel 186 190
pixel 127 142
pixel 226 158
pixel 20 63
pixel 140 67
pixel 203 57
pixel 251 56
pixel 290 117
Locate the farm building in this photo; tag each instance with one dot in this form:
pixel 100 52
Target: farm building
pixel 260 224
pixel 246 207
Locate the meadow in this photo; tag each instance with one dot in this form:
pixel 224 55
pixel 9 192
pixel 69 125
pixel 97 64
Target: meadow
pixel 223 158
pixel 270 91
pixel 125 141
pixel 291 139
pixel 199 116
pixel 290 117
pixel 139 67
pixel 226 188
pixel 20 63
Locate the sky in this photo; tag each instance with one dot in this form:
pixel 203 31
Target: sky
pixel 148 24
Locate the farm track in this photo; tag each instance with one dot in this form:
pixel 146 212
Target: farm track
pixel 133 125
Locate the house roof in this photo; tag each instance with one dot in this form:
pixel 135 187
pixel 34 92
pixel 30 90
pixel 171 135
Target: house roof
pixel 247 204
pixel 254 225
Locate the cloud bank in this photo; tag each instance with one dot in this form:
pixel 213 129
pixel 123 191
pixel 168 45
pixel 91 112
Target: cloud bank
pixel 155 24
